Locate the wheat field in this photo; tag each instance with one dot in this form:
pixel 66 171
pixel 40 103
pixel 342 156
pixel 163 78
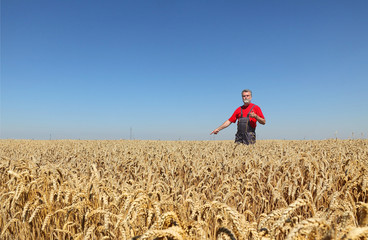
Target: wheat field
pixel 135 189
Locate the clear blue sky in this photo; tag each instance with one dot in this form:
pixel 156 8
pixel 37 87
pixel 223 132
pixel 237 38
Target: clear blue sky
pixel 173 70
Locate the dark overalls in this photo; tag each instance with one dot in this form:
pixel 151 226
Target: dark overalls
pixel 246 133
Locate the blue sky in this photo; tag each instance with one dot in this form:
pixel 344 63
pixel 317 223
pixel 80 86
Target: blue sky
pixel 174 70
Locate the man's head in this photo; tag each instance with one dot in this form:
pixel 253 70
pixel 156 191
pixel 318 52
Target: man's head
pixel 246 96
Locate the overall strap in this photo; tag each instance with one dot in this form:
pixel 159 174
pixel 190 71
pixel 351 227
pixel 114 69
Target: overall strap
pixel 250 110
pixel 241 111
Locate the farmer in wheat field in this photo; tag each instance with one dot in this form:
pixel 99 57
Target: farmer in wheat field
pixel 247 115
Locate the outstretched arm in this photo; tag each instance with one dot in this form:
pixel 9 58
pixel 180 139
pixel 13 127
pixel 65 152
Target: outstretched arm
pixel 224 125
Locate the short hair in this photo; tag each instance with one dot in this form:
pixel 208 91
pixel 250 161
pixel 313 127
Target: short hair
pixel 247 90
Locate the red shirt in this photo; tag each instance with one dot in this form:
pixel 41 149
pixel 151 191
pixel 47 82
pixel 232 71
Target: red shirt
pixel 253 122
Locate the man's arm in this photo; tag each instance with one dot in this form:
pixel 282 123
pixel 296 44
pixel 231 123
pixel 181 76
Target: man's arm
pixel 224 125
pixel 258 118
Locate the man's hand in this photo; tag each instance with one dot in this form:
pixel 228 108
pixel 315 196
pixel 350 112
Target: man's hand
pixel 253 115
pixel 258 118
pixel 215 131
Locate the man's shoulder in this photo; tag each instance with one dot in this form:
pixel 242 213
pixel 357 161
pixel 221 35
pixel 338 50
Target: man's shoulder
pixel 252 105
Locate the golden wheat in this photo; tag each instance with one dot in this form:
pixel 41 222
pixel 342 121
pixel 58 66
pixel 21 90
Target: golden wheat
pixel 71 189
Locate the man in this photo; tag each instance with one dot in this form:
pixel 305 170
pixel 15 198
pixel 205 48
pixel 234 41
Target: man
pixel 247 115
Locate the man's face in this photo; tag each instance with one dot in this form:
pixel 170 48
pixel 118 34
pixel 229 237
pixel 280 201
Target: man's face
pixel 247 97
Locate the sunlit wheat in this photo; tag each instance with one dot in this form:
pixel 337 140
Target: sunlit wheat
pixel 72 189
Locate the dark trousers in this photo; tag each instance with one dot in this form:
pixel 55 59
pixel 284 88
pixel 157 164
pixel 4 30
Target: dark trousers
pixel 245 138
